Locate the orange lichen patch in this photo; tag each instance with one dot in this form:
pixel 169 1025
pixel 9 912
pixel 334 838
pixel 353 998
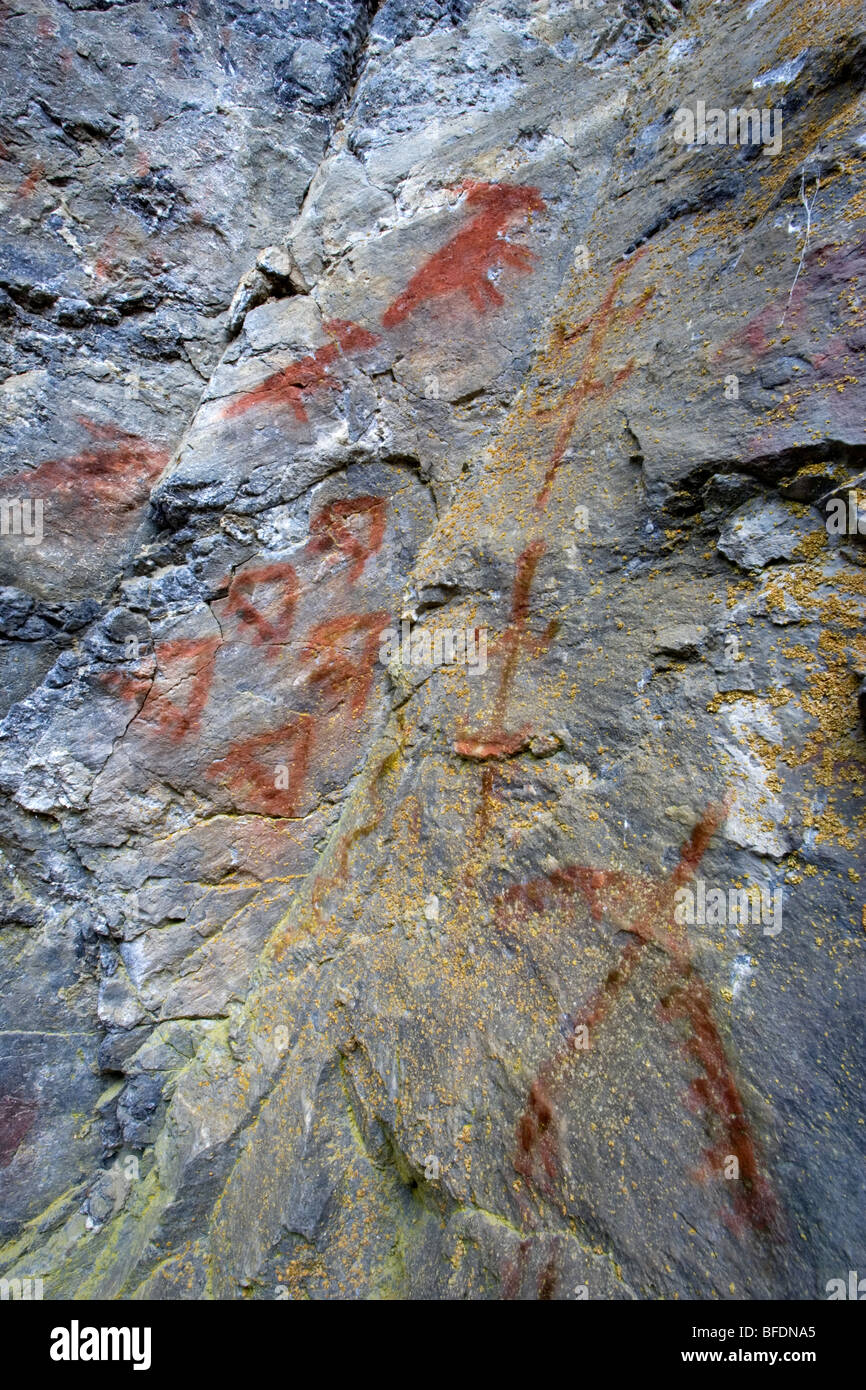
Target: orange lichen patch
pixel 461 266
pixel 335 528
pixel 291 384
pixel 271 618
pixel 833 749
pixel 599 324
pixel 184 664
pixel 261 773
pixel 116 474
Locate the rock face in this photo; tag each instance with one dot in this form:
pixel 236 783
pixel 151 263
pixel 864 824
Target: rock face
pixel 432 764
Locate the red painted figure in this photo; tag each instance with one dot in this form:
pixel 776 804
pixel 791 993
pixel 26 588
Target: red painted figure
pixel 645 909
pixel 342 653
pixel 496 741
pixel 291 384
pixel 588 384
pixel 332 530
pixel 270 621
pixel 185 663
pixel 463 263
pixel 253 768
pixel 117 473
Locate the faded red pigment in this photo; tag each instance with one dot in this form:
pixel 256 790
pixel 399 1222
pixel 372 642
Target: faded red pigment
pixel 282 580
pixel 249 768
pixel 290 385
pixel 17 1117
pixel 645 909
pixel 332 530
pixel 116 474
pixel 342 653
pixel 183 663
pixel 461 266
pixel 825 269
pixel 588 385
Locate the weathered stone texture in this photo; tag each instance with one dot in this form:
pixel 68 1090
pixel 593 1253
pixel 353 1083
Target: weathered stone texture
pixel 326 973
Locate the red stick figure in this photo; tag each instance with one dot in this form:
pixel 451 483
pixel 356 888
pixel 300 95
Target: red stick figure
pixel 588 385
pixel 497 742
pixel 645 909
pixel 462 265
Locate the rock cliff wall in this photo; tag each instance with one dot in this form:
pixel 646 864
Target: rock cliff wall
pixel 342 339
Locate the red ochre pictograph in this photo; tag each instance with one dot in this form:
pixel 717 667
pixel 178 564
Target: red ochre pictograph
pixel 353 527
pixel 496 741
pixel 644 908
pixel 290 385
pixel 461 266
pixel 608 316
pixel 271 618
pixel 341 654
pixel 185 667
pixel 117 473
pixel 825 268
pixel 108 259
pixel 335 530
pixel 514 1273
pixel 17 1117
pixel 32 180
pixel 250 768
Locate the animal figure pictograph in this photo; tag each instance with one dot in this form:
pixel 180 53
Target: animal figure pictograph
pixel 113 476
pixel 292 384
pixel 463 264
pixel 461 267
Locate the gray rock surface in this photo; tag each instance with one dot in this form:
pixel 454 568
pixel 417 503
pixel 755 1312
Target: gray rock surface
pixel 329 968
